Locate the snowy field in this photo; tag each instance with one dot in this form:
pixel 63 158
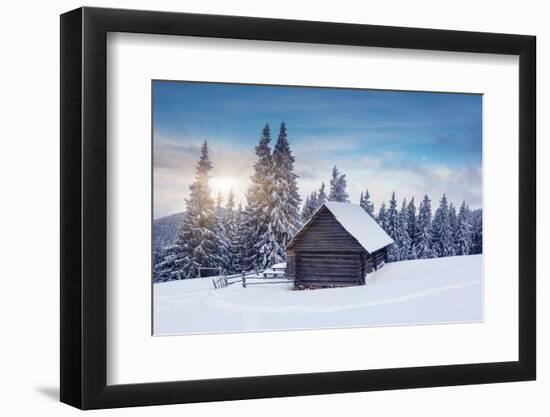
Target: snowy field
pixel 443 290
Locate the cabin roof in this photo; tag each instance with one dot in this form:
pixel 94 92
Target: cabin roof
pixel 356 222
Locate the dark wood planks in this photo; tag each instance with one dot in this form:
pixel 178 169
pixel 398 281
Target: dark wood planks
pixel 323 253
pixel 324 233
pixel 330 268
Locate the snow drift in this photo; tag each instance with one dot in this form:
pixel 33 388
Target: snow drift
pixel 429 291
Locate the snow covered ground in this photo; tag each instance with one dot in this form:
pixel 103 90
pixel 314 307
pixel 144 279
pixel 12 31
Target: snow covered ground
pixel 443 290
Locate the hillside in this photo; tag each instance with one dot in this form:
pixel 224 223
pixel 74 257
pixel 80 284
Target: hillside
pixel 442 290
pixel 164 231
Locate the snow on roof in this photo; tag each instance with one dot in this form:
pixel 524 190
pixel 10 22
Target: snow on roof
pixel 360 225
pixel 357 223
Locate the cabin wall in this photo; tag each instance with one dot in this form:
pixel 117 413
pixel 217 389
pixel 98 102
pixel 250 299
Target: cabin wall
pixel 336 268
pixel 326 234
pixel 376 260
pixel 290 264
pixel 324 254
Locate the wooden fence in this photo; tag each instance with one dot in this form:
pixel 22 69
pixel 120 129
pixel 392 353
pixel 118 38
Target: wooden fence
pixel 257 277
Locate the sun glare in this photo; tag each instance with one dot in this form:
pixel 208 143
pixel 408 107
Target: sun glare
pixel 225 184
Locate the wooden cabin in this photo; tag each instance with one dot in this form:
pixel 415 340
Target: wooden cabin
pixel 338 246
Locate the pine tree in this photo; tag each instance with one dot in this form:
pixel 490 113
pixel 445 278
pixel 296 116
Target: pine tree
pixel 248 234
pixel 392 229
pixel 168 268
pixel 396 227
pixel 366 204
pixel 196 242
pixel 392 217
pixel 453 220
pixel 412 253
pixel 404 241
pixel 315 200
pixel 422 243
pixel 442 234
pixel 224 243
pixel 322 197
pixel 464 244
pixel 411 220
pixel 338 184
pixel 239 243
pixel 382 218
pixel 306 209
pixel 310 206
pixel 284 214
pixel 259 204
pixel 231 231
pixel 477 231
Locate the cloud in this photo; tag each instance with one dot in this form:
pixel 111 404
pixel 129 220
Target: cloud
pixel 458 183
pixel 382 172
pixel 443 173
pixel 174 170
pixel 392 171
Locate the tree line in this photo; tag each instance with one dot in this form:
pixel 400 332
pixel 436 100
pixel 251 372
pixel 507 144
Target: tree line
pixel 254 237
pixel 419 235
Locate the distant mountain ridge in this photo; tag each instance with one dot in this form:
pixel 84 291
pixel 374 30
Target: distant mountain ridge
pixel 165 230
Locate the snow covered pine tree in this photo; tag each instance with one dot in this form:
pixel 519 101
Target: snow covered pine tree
pixel 338 184
pixel 238 242
pixel 394 229
pixel 423 235
pixel 411 228
pixel 463 245
pixel 453 220
pixel 310 205
pixel 231 231
pixel 442 234
pixel 366 204
pixel 404 243
pixel 476 220
pixel 224 250
pixel 284 215
pixel 322 197
pixel 259 202
pixel 382 218
pixel 196 243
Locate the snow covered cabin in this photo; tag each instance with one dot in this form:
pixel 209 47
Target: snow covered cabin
pixel 337 246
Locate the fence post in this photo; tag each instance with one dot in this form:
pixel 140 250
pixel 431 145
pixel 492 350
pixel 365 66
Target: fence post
pixel 244 280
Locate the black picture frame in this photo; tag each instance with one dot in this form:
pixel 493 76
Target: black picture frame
pixel 84 207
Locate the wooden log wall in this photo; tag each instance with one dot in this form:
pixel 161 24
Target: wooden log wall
pixel 325 234
pixel 290 264
pixel 376 260
pixel 325 254
pixel 329 268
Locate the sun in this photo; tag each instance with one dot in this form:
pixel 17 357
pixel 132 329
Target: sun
pixel 223 184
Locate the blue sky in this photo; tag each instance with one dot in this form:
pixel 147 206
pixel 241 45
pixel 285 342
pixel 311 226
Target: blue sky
pixel 410 142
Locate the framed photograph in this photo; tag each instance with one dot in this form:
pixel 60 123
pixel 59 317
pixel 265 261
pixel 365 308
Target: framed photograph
pixel 256 208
